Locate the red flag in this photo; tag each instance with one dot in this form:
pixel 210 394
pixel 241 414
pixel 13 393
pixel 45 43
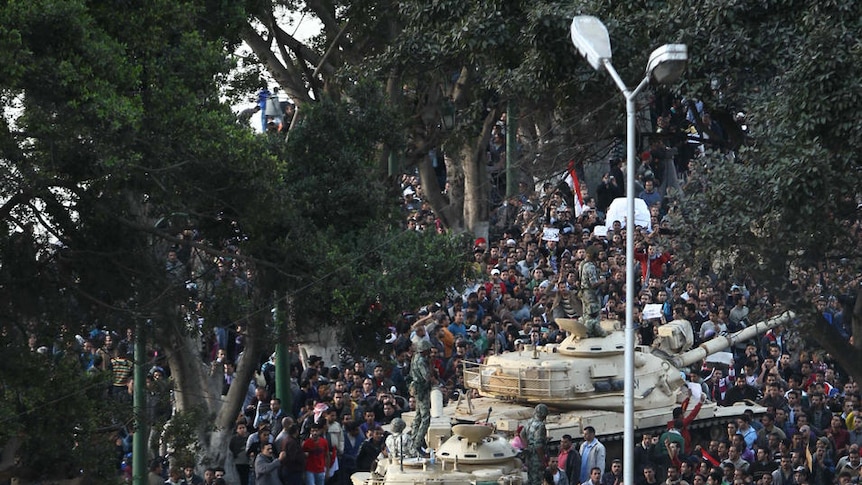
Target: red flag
pixel 707 457
pixel 575 185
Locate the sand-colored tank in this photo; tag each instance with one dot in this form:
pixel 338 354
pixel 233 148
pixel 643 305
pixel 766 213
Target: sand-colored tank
pixel 588 373
pixel 581 380
pixel 473 454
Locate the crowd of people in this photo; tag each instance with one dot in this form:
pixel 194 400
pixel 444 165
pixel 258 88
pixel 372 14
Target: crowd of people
pixel 549 256
pixel 533 271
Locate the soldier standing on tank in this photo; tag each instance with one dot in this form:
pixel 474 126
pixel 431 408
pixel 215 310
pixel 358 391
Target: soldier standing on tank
pixel 420 388
pixel 535 439
pixel 590 282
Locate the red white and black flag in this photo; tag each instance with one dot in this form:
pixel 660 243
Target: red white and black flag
pixel 575 184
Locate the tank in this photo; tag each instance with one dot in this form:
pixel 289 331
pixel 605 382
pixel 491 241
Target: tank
pixel 472 454
pixel 582 379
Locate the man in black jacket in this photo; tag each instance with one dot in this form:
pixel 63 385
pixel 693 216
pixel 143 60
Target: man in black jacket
pixel 644 453
pixel 292 468
pixel 370 449
pixel 740 392
pixel 569 460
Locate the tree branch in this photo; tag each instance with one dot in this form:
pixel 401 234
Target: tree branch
pixel 325 15
pixel 287 76
pixel 831 340
pixel 202 247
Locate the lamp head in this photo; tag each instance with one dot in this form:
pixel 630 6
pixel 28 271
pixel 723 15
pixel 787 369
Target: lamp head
pixel 667 63
pixel 590 37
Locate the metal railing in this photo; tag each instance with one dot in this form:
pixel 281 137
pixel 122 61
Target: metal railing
pixel 525 382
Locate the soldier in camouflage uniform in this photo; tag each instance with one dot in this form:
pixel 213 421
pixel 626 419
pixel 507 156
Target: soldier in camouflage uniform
pixel 589 282
pixel 420 389
pixel 535 439
pixel 398 442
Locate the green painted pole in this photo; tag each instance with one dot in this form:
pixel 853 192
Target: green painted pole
pixel 139 439
pixel 511 149
pixel 393 163
pixel 282 359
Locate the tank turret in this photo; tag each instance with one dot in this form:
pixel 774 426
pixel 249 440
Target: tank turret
pixel 473 454
pixel 588 373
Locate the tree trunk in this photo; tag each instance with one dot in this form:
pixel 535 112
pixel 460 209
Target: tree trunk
pixel 476 181
pixel 197 388
pixel 475 193
pixel 217 453
pixel 856 321
pixel 846 354
pixel 8 457
pixel 193 387
pixel 434 195
pixel 455 176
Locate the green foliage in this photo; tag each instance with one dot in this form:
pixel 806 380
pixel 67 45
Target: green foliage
pixel 59 412
pixel 340 233
pixel 332 158
pixel 446 35
pixel 399 271
pixel 794 67
pixel 120 126
pixel 784 211
pixel 183 434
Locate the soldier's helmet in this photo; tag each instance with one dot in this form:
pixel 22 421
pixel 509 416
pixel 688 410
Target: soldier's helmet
pixel 423 346
pixel 541 411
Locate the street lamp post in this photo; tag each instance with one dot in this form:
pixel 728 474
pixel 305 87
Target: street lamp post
pixel 665 65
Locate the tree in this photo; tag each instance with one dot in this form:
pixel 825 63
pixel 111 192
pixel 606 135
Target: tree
pixel 462 60
pixel 53 415
pixel 359 268
pixel 785 212
pixel 112 128
pixel 123 152
pixel 324 242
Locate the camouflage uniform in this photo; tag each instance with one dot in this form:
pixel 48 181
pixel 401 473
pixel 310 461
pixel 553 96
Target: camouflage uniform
pixel 420 388
pixel 535 439
pixel 590 299
pixel 398 442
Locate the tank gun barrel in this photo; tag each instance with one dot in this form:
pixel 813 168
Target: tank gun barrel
pixel 719 343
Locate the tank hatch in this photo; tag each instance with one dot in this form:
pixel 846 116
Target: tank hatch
pixel 475 444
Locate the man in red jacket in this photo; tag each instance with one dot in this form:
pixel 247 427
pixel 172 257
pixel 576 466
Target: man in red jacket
pixel 686 421
pixel 652 261
pixel 317 456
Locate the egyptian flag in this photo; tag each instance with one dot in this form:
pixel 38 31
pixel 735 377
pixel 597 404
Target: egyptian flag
pixel 709 458
pixel 575 185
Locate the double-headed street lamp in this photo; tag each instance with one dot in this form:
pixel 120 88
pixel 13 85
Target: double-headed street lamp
pixel 665 65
